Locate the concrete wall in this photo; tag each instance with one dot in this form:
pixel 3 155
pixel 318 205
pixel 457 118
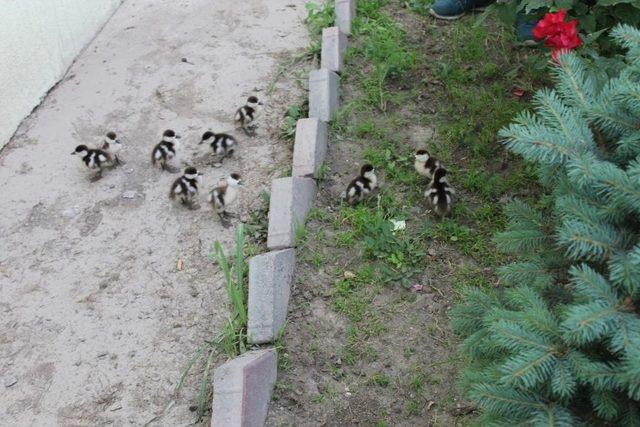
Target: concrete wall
pixel 39 40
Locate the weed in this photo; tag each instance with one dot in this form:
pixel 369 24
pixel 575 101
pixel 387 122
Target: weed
pixel 258 221
pixel 380 379
pixel 413 407
pixel 319 16
pixel 232 339
pixel 291 117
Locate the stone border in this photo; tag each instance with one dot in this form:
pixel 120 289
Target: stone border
pixel 243 386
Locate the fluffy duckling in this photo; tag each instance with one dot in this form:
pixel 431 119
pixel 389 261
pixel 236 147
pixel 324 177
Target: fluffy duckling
pixel 185 188
pixel 225 194
pixel 425 164
pixel 112 145
pixel 246 114
pixel 223 145
pixel 440 194
pixel 362 185
pixel 94 159
pixel 165 150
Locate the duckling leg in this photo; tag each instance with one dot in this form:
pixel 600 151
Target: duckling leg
pixel 246 131
pixel 223 219
pixel 119 162
pixel 97 176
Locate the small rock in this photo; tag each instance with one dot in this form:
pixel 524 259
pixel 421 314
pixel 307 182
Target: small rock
pixel 129 194
pixel 115 407
pixel 69 213
pixel 10 381
pixel 349 275
pixel 431 252
pixel 102 354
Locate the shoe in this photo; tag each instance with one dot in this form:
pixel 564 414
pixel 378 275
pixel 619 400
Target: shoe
pixel 454 9
pixel 524 29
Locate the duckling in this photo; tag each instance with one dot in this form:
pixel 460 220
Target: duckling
pixel 186 187
pixel 112 145
pixel 94 159
pixel 224 195
pixel 425 164
pixel 246 114
pixel 361 186
pixel 166 150
pixel 440 194
pixel 223 145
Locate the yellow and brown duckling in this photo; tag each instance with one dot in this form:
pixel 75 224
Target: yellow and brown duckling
pixel 361 186
pixel 113 145
pixel 247 114
pixel 94 158
pixel 166 150
pixel 185 188
pixel 223 145
pixel 224 195
pixel 440 193
pixel 425 164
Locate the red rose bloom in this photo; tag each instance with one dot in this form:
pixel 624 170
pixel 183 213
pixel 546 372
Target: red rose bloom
pixel 560 36
pixel 547 26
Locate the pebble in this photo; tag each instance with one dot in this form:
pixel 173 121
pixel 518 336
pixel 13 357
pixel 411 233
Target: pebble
pixel 431 252
pixel 69 213
pixel 10 381
pixel 129 194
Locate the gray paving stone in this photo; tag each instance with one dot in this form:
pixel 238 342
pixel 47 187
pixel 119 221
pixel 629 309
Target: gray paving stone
pixel 242 389
pixel 291 199
pixel 323 94
pixel 334 44
pixel 345 13
pixel 270 279
pixel 310 147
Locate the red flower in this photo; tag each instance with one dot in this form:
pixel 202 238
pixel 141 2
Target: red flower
pixel 558 35
pixel 548 25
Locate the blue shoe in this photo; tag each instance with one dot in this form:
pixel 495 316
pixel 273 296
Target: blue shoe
pixel 524 29
pixel 454 9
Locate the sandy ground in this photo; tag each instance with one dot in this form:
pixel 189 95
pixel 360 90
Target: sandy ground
pixel 96 322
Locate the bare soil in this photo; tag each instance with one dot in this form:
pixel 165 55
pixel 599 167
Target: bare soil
pixel 406 370
pixel 97 321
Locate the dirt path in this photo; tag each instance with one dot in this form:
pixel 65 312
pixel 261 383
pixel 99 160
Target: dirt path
pixel 96 322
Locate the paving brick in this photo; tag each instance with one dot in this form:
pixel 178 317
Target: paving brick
pixel 242 389
pixel 323 94
pixel 291 199
pixel 270 279
pixel 310 147
pixel 334 44
pixel 345 13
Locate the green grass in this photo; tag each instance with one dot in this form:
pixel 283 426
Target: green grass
pixel 463 93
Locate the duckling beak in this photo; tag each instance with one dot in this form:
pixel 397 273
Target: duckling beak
pixel 201 141
pixel 73 153
pixel 178 137
pixel 260 103
pixel 241 183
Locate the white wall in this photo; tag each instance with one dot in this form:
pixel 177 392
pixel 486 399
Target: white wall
pixel 39 40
